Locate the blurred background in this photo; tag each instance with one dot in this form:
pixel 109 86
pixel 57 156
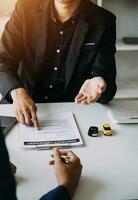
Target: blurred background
pixel 6 6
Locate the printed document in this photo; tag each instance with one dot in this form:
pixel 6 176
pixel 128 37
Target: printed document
pixel 55 130
pixel 124 112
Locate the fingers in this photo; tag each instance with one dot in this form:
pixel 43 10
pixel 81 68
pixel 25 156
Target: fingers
pixel 51 162
pixel 91 90
pixel 87 98
pixel 27 116
pixel 21 117
pixel 79 96
pixel 34 119
pixel 82 96
pixel 93 99
pixel 72 156
pixel 57 158
pixel 81 99
pixel 24 106
pixel 17 115
pixel 57 155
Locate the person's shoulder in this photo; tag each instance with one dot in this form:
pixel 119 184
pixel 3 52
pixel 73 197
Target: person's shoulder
pixel 29 4
pixel 100 14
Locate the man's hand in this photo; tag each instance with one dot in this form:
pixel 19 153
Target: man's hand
pixel 13 168
pixel 91 90
pixel 67 174
pixel 24 107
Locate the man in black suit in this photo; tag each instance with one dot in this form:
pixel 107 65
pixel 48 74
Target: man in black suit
pixel 56 51
pixel 68 175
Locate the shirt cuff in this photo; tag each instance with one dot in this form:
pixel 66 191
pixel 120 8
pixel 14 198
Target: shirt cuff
pixel 8 95
pixel 59 192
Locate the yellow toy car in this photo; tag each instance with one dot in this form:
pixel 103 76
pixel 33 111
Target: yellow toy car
pixel 106 129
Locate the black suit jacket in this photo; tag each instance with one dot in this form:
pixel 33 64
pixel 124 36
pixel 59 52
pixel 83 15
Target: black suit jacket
pixel 7 182
pixel 92 51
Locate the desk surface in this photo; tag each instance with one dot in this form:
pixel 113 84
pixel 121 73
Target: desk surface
pixel 110 164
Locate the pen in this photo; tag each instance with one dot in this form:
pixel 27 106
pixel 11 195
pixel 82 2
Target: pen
pixel 133 117
pixel 65 159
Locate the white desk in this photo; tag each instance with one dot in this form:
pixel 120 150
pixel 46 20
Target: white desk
pixel 110 164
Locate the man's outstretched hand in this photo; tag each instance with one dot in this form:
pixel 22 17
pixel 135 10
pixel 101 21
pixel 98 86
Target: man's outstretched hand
pixel 24 107
pixel 67 175
pixel 91 91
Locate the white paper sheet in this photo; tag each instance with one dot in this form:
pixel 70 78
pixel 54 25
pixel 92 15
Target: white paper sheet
pixel 55 130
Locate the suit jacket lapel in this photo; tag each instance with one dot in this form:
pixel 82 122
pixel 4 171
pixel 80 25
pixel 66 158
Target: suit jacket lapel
pixel 75 48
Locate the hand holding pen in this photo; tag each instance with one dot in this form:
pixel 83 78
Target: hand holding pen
pixel 65 159
pixel 67 174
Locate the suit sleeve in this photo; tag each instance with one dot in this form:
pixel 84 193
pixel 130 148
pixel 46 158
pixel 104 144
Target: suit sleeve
pixel 105 65
pixel 60 193
pixel 7 182
pixel 11 51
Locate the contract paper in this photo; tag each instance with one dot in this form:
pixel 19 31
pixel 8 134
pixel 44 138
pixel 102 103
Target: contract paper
pixel 55 130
